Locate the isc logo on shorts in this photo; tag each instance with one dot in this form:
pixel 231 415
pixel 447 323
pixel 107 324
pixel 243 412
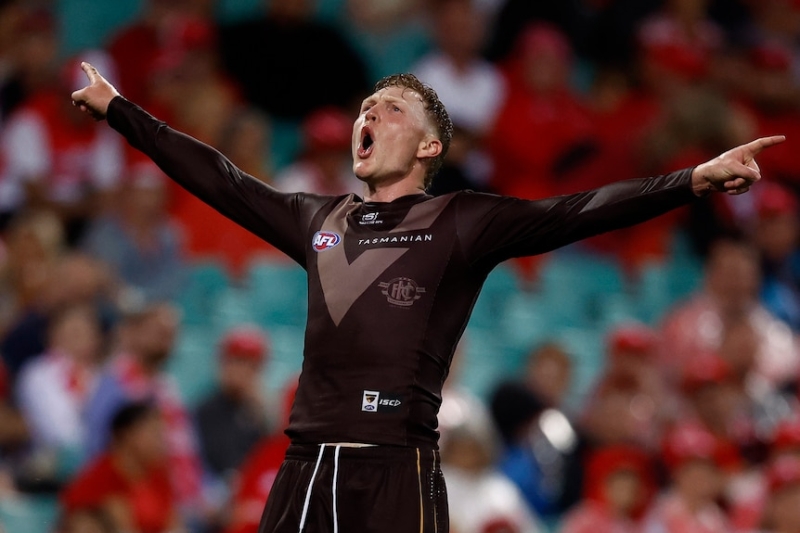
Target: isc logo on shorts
pixel 324 240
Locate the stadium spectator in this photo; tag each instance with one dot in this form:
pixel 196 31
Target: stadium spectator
pixel 540 447
pixel 516 15
pixel 136 373
pixel 245 141
pixel 694 123
pixel 188 83
pixel 75 279
pixel 630 372
pixel 729 300
pixel 233 418
pixel 28 53
pixel 137 240
pixel 53 389
pixel 389 36
pixel 130 482
pixel 541 122
pixel 770 90
pixel 211 236
pixel 781 514
pixel 289 26
pixel 717 399
pixel 481 498
pixel 324 167
pixel 679 44
pixel 748 495
pixel 33 245
pixel 258 471
pixel 55 158
pixel 139 45
pixel 689 504
pixel 776 233
pixel 617 490
pixel 470 87
pixel 548 374
pixel 618 412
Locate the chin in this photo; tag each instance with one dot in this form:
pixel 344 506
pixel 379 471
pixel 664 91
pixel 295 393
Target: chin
pixel 363 175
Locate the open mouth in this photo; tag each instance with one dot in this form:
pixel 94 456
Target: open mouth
pixel 367 143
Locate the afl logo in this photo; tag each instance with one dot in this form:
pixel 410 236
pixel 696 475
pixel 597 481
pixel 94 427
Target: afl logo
pixel 324 240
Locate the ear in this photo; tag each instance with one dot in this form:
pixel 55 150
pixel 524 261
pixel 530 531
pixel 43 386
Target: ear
pixel 429 147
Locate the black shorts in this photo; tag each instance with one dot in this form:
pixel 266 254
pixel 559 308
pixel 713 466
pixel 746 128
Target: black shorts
pixel 329 489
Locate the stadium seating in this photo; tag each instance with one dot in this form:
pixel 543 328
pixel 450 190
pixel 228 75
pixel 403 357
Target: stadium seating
pixel 28 514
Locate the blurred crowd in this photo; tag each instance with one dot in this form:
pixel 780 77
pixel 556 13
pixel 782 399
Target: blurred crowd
pixel 693 423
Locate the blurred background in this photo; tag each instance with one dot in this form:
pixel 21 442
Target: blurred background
pixel 645 380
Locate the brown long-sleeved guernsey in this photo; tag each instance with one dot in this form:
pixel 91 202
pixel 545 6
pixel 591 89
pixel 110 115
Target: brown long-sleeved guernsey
pixel 390 285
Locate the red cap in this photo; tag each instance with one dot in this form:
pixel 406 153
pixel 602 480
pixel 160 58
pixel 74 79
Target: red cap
pixel 783 473
pixel 327 128
pixel 705 368
pixel 687 442
pixel 787 435
pixel 606 461
pixel 774 199
pixel 632 338
pixel 246 342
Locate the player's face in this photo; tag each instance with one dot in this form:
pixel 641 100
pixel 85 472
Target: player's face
pixel 391 136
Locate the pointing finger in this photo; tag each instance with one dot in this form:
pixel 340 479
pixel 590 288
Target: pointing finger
pixel 756 146
pixel 90 71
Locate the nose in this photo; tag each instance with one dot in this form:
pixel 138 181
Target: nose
pixel 372 114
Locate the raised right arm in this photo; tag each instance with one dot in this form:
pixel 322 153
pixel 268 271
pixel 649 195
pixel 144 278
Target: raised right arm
pixel 279 218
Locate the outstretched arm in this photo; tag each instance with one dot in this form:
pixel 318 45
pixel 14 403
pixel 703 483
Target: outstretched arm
pixel 510 227
pixel 274 216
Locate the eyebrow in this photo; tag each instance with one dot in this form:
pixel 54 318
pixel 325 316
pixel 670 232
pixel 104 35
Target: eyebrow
pixel 372 99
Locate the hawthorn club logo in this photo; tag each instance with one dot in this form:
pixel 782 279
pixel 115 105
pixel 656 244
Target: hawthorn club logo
pixel 402 292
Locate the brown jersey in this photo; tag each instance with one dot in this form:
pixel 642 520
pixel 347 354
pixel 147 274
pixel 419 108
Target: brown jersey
pixel 390 285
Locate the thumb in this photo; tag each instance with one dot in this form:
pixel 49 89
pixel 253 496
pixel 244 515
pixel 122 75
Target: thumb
pixel 79 96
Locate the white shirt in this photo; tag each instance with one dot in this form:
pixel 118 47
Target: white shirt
pixel 472 98
pixel 476 501
pixel 51 404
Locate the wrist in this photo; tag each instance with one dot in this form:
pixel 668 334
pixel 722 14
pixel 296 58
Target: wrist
pixel 701 185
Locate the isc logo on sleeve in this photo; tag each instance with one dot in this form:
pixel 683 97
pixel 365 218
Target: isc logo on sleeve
pixel 325 240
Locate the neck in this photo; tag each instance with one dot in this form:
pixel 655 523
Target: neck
pixel 388 192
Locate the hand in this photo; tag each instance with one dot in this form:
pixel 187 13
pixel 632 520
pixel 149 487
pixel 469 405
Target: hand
pixel 95 97
pixel 734 171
